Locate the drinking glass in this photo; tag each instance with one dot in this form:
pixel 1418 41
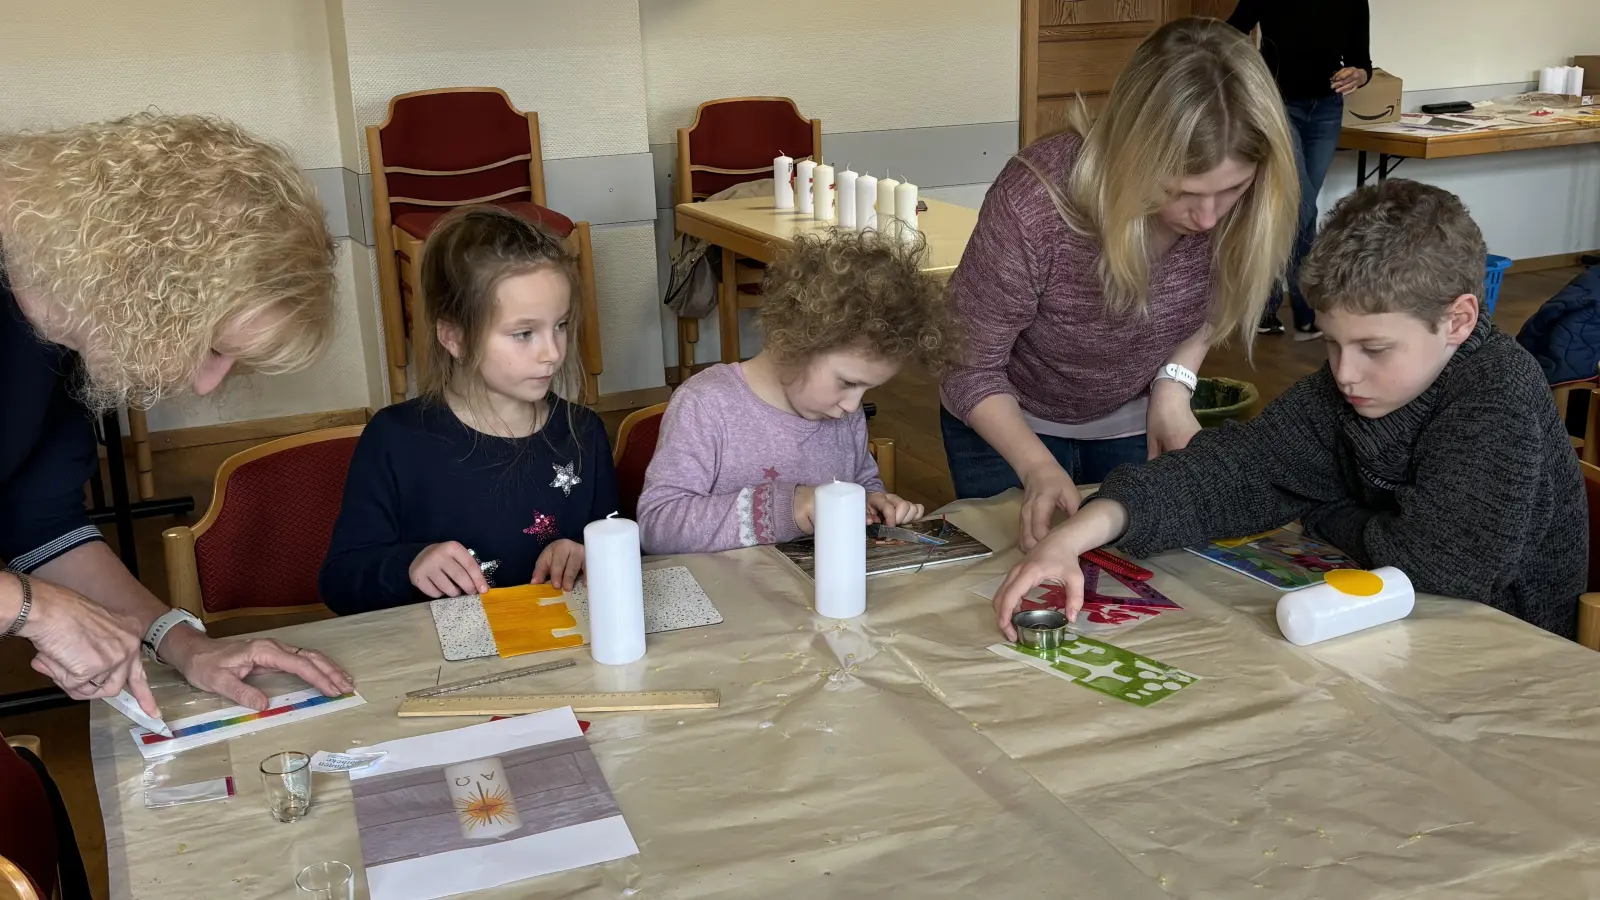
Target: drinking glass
pixel 330 880
pixel 287 777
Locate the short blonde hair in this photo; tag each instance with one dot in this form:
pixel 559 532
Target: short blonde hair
pixel 1194 94
pixel 151 235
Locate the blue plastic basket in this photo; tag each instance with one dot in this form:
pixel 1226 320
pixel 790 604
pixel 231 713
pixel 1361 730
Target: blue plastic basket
pixel 1491 280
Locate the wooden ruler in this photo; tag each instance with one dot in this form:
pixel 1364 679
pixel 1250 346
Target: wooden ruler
pixel 514 705
pixel 454 686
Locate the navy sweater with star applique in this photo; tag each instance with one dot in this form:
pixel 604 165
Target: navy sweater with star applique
pixel 419 476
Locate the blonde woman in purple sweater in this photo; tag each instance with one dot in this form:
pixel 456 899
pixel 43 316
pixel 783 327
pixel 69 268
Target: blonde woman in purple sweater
pixel 1106 262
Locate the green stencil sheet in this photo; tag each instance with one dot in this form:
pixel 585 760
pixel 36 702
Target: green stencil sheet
pixel 1104 669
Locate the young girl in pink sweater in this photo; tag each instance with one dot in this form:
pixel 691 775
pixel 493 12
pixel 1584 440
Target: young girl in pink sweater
pixel 742 446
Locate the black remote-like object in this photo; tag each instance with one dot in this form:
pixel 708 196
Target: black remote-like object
pixel 1457 106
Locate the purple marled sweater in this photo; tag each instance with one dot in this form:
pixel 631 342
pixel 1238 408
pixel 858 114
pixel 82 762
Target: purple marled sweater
pixel 1036 327
pixel 727 464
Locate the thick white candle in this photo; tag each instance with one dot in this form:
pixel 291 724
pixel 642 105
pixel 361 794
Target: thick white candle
pixel 841 549
pixel 802 186
pixel 866 203
pixel 616 591
pixel 845 186
pixel 822 193
pixel 886 204
pixel 905 206
pixel 782 187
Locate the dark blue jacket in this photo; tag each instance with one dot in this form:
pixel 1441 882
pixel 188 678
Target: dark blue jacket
pixel 1564 335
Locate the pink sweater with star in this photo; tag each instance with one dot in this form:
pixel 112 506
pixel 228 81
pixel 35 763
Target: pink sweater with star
pixel 727 464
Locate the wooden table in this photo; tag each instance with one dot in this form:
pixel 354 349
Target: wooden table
pixel 753 229
pixel 1450 755
pixel 1394 147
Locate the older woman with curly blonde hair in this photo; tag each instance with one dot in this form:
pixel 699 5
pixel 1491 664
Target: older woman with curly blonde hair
pixel 743 445
pixel 138 258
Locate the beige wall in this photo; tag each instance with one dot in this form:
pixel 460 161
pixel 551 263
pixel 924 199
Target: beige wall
pixel 1453 43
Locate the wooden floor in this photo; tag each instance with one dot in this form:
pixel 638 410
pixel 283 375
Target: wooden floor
pixel 908 412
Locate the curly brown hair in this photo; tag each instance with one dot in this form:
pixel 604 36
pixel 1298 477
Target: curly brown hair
pixel 857 290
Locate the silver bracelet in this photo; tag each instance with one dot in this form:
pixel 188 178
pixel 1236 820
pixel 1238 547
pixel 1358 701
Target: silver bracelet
pixel 27 604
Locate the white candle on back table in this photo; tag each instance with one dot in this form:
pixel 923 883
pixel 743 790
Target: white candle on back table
pixel 905 207
pixel 802 186
pixel 845 184
pixel 866 203
pixel 886 204
pixel 616 590
pixel 841 549
pixel 822 193
pixel 782 187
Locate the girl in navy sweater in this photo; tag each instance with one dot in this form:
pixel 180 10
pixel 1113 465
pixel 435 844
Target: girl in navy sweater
pixel 490 457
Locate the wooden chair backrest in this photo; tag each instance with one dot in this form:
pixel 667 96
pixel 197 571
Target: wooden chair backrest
pixel 735 140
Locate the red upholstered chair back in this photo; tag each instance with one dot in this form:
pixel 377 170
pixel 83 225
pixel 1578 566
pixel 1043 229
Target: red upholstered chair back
pixel 636 446
pixel 457 146
pixel 260 546
pixel 735 140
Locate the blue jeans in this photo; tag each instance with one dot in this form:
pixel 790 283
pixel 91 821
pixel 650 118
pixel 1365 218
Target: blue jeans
pixel 1314 128
pixel 978 470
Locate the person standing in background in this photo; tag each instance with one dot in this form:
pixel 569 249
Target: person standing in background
pixel 1318 52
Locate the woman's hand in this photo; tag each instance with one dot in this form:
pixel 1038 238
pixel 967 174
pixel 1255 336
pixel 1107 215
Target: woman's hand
pixel 222 666
pixel 1055 558
pixel 559 564
pixel 447 570
pixel 86 649
pixel 1170 422
pixel 1044 490
pixel 891 510
pixel 1348 80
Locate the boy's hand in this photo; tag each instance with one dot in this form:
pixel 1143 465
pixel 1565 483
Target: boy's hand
pixel 1170 423
pixel 805 508
pixel 559 564
pixel 1348 80
pixel 1056 559
pixel 891 510
pixel 1044 491
pixel 447 570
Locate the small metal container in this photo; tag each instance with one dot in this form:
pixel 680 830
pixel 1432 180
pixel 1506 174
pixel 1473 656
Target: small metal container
pixel 1041 629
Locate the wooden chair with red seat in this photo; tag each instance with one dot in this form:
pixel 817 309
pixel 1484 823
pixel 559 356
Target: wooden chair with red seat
pixel 1589 603
pixel 15 883
pixel 258 549
pixel 451 147
pixel 636 446
pixel 733 141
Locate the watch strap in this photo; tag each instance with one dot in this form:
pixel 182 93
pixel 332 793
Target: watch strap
pixel 160 627
pixel 1180 374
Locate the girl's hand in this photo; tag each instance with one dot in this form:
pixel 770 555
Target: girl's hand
pixel 1348 80
pixel 559 564
pixel 891 510
pixel 1045 490
pixel 1170 423
pixel 447 570
pixel 805 508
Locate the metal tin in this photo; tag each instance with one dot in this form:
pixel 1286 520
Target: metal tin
pixel 1040 629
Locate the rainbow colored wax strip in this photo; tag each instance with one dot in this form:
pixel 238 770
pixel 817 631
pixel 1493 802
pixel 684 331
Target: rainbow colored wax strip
pixel 255 715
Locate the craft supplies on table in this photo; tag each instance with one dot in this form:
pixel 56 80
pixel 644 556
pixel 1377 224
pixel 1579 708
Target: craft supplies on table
pixel 518 704
pixel 514 621
pixel 891 551
pixel 496 678
pixel 1104 669
pixel 226 724
pixel 1112 601
pixel 616 590
pixel 1284 559
pixel 125 704
pixel 803 197
pixel 840 571
pixel 1350 600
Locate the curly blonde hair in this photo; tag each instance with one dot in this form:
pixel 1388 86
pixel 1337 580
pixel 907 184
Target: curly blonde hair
pixel 856 290
pixel 148 238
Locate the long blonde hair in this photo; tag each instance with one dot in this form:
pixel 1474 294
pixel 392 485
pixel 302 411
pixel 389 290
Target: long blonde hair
pixel 150 236
pixel 1194 94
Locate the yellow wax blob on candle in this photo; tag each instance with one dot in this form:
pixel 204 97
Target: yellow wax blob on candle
pixel 1356 582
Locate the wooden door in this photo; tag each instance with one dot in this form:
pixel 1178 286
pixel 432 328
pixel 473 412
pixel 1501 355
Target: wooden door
pixel 1073 47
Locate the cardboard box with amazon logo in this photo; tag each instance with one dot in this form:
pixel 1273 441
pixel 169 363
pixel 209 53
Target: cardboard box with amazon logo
pixel 1376 102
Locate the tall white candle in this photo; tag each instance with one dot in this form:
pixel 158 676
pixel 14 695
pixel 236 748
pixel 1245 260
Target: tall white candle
pixel 845 183
pixel 886 204
pixel 905 208
pixel 866 203
pixel 616 590
pixel 841 549
pixel 782 187
pixel 822 193
pixel 802 186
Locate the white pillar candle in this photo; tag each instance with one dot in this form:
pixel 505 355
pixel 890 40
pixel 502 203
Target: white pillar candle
pixel 866 203
pixel 782 187
pixel 905 206
pixel 1346 602
pixel 485 806
pixel 822 193
pixel 845 184
pixel 841 549
pixel 802 186
pixel 1575 80
pixel 886 204
pixel 616 590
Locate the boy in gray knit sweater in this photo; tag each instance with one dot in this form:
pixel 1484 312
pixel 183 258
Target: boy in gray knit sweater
pixel 1428 442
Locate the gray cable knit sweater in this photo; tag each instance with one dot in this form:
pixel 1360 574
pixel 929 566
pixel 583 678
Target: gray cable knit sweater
pixel 1472 489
